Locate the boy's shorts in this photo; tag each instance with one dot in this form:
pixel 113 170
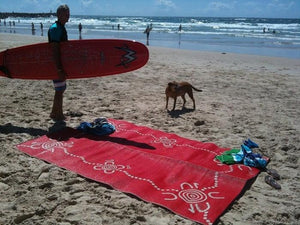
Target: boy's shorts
pixel 59 85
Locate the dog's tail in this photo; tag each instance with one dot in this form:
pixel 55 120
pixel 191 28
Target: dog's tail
pixel 196 89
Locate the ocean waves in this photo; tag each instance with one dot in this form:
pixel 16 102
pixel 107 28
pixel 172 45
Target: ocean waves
pixel 243 32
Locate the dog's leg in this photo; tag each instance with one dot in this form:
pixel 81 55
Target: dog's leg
pixel 167 101
pixel 174 103
pixel 184 100
pixel 190 93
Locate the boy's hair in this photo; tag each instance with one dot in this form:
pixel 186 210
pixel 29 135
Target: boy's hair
pixel 62 8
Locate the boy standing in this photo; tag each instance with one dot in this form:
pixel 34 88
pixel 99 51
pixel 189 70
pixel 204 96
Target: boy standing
pixel 56 34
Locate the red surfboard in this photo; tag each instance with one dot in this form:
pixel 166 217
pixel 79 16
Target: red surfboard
pixel 80 59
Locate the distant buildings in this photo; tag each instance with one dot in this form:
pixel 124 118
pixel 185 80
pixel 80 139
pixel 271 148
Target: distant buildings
pixel 4 15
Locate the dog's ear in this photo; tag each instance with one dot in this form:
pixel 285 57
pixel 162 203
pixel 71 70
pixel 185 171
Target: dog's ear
pixel 173 83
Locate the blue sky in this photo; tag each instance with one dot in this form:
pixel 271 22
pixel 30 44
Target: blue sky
pixel 226 8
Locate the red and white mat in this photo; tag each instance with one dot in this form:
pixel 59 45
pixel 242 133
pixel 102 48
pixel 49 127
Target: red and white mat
pixel 165 169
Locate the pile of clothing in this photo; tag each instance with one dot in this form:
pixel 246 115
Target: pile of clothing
pixel 99 127
pixel 244 155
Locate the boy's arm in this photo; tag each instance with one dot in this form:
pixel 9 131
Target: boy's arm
pixel 57 60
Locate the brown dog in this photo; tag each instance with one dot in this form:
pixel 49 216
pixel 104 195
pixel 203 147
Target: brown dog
pixel 175 89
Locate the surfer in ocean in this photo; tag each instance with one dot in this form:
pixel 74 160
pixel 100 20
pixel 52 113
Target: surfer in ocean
pixel 56 34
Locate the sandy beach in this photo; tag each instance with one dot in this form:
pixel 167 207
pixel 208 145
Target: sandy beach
pixel 244 96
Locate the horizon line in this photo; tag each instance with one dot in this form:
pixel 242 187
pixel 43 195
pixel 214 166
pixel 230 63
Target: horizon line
pixel 54 14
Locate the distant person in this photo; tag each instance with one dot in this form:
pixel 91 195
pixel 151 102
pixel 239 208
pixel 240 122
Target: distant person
pixel 118 26
pixel 179 35
pixel 42 29
pixel 147 32
pixel 32 29
pixel 14 26
pixel 57 33
pixel 264 30
pixel 80 29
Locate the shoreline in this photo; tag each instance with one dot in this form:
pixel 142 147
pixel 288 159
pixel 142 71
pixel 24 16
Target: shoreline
pixel 244 96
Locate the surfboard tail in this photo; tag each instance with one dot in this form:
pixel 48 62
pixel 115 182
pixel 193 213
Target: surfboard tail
pixel 3 69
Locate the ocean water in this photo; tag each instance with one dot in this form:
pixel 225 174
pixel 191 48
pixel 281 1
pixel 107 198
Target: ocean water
pixel 259 36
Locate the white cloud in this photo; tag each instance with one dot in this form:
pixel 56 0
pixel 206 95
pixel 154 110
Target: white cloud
pixel 31 2
pixel 218 6
pixel 86 3
pixel 282 5
pixel 166 3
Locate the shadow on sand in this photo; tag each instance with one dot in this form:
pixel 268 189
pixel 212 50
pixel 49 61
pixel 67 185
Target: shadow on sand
pixel 177 113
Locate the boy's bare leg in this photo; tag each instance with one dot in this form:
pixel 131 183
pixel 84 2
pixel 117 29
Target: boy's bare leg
pixel 57 108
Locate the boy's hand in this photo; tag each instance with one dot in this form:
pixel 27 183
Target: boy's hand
pixel 61 75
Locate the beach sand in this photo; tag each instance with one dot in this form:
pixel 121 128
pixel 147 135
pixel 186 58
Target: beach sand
pixel 243 97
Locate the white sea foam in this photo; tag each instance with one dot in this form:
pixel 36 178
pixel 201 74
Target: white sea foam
pixel 248 32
